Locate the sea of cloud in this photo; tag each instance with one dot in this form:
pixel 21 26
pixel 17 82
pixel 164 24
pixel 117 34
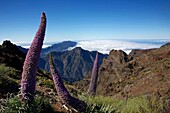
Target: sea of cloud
pixel 105 46
pixel 28 46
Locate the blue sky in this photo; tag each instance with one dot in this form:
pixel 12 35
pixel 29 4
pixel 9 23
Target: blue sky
pixel 85 19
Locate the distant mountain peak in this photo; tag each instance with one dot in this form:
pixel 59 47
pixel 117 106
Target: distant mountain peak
pixel 78 49
pixel 11 55
pixel 166 45
pixel 62 46
pixel 7 43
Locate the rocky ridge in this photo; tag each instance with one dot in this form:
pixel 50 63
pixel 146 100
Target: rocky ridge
pixel 140 72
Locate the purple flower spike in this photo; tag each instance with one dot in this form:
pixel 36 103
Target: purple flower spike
pixel 61 89
pixel 28 81
pixel 94 77
pixel 62 92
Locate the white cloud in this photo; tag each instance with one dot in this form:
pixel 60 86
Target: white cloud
pixel 27 46
pixel 105 46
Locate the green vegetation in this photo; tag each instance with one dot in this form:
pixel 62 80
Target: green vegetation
pixel 9 78
pixel 101 104
pixel 96 104
pixel 44 81
pixel 9 72
pixel 13 104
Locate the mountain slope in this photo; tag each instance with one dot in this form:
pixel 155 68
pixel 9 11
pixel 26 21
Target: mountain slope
pixel 73 65
pixel 11 63
pixel 144 72
pixel 11 55
pixel 62 46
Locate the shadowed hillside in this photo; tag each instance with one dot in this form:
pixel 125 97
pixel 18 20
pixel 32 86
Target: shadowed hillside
pixel 74 65
pixel 11 55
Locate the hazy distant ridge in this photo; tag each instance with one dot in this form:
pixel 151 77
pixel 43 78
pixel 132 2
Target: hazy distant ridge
pixel 105 46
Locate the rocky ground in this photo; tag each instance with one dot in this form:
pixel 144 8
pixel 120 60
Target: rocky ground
pixel 139 73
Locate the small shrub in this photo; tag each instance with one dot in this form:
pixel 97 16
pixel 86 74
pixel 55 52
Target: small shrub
pixel 99 104
pixel 46 82
pixel 13 104
pixel 9 72
pixel 8 83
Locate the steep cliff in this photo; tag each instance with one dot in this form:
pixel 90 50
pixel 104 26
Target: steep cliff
pixel 140 72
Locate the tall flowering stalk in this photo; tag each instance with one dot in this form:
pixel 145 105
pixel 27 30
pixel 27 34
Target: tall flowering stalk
pixel 62 92
pixel 94 77
pixel 28 81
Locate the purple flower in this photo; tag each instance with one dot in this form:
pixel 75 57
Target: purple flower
pixel 28 81
pixel 94 77
pixel 61 89
pixel 62 92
